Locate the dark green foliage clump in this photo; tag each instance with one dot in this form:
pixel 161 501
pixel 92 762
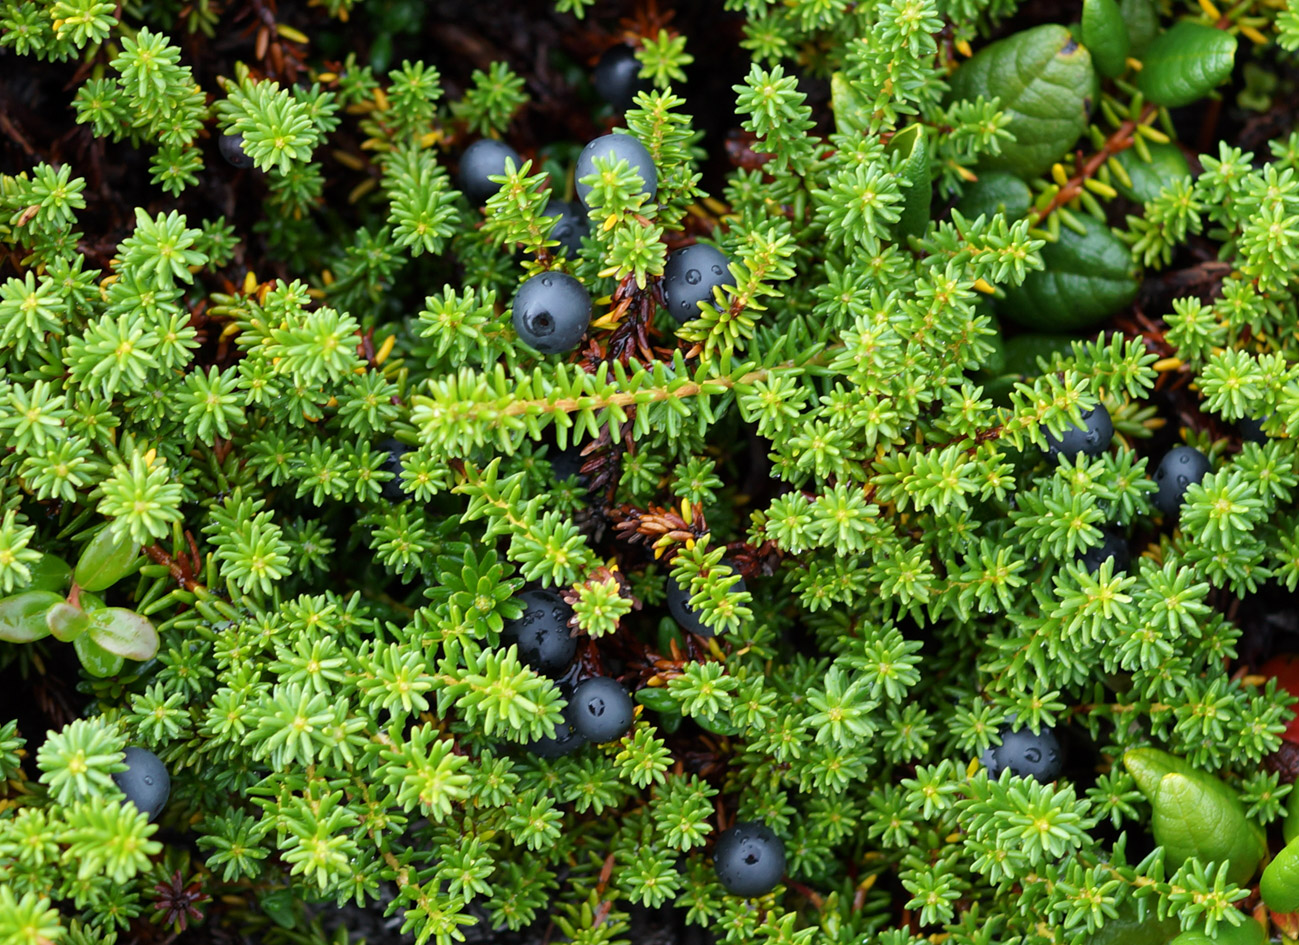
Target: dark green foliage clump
pixel 866 616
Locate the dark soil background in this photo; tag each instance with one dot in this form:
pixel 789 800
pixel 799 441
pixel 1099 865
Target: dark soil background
pixel 554 53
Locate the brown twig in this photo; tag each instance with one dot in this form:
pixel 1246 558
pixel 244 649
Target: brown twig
pixel 1117 142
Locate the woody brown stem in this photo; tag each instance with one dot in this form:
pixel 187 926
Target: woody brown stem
pixel 1119 141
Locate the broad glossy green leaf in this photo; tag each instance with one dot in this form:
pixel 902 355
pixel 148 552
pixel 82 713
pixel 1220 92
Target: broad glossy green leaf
pixel 279 906
pixel 994 363
pixel 1106 36
pixel 106 559
pixel 995 192
pixel 1022 352
pixel 1085 280
pixel 1290 826
pixel 1248 932
pixel 1127 929
pixel 22 617
pixel 718 726
pixel 851 116
pixel 1166 164
pixel 914 181
pixel 1194 814
pixel 50 573
pixel 66 622
pixel 1046 84
pixel 124 633
pixel 1186 63
pixel 96 660
pixel 1142 19
pixel 1279 886
pixel 657 699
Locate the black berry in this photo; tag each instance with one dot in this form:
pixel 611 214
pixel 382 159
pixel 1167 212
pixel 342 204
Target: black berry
pixel 565 742
pixel 572 226
pixel 1113 546
pixel 1181 466
pixel 1026 755
pixel 541 632
pixel 614 147
pixel 393 490
pixel 600 709
pixel 749 859
pixel 552 312
pixel 685 615
pixel 567 464
pixel 1091 439
pixel 232 149
pixel 1251 430
pixel 482 159
pixel 689 278
pixel 145 781
pixel 617 77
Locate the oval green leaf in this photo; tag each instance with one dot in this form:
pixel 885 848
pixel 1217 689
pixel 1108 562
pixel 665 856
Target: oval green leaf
pixel 1046 85
pixel 1290 826
pixel 1149 178
pixel 995 192
pixel 851 116
pixel 1194 814
pixel 657 699
pixel 66 622
pixel 1248 932
pixel 1142 20
pixel 50 573
pixel 1085 280
pixel 124 633
pixel 1022 352
pixel 909 149
pixel 106 559
pixel 22 617
pixel 1279 886
pixel 1186 63
pixel 1127 929
pixel 96 660
pixel 1106 36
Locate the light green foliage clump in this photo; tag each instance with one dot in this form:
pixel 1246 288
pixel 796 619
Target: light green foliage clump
pixel 214 406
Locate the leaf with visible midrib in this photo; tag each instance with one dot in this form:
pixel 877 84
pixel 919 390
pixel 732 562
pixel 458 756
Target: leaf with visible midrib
pixel 1186 63
pixel 1085 280
pixel 1045 83
pixel 1106 36
pixel 914 181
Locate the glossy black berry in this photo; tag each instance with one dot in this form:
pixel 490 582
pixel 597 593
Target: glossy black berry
pixel 482 159
pixel 1026 755
pixel 1113 546
pixel 542 632
pixel 689 278
pixel 393 490
pixel 749 859
pixel 572 226
pixel 145 781
pixel 232 149
pixel 565 742
pixel 685 615
pixel 567 464
pixel 552 312
pixel 617 77
pixel 1091 439
pixel 1181 466
pixel 614 147
pixel 1251 430
pixel 600 709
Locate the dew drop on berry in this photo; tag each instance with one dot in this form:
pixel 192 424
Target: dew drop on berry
pixel 693 276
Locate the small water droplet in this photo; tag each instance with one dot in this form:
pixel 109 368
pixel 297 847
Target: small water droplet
pixel 694 276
